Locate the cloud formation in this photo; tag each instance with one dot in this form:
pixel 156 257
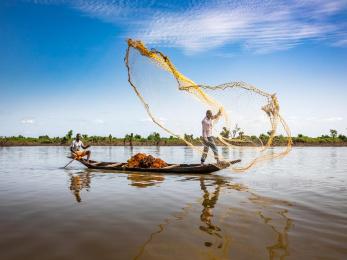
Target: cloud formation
pixel 27 121
pixel 194 26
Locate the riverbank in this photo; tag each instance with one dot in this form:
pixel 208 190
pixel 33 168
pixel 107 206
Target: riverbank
pixel 339 144
pixel 156 140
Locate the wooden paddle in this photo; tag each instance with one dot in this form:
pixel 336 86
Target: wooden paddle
pixel 70 157
pixel 68 163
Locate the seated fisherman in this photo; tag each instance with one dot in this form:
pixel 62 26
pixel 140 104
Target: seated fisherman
pixel 208 139
pixel 78 149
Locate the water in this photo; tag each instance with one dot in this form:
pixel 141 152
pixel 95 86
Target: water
pixel 293 208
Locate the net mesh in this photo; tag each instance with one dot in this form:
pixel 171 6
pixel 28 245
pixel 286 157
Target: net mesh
pixel 177 104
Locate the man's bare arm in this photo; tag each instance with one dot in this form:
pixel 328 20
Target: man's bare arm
pixel 216 116
pixel 85 147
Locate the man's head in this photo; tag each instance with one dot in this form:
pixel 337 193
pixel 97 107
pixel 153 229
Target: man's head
pixel 209 114
pixel 78 136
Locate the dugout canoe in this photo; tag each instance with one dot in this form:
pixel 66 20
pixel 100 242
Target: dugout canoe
pixel 171 168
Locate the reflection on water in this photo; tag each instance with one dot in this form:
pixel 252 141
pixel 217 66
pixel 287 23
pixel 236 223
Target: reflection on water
pixel 226 152
pixel 279 250
pixel 145 180
pixel 78 182
pixel 280 224
pixel 208 203
pixel 283 210
pixel 211 188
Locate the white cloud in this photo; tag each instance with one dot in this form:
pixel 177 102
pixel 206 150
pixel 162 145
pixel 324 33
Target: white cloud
pixel 148 119
pixel 333 119
pixel 27 121
pixel 98 121
pixel 261 26
pixel 324 119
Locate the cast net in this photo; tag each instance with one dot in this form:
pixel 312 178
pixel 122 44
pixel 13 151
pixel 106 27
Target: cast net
pixel 250 121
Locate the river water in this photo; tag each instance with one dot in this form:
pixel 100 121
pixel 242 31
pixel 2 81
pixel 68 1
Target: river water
pixel 290 208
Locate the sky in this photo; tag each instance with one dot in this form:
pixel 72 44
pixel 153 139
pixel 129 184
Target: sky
pixel 62 67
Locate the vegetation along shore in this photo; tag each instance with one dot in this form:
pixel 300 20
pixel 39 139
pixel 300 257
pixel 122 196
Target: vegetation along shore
pixel 239 138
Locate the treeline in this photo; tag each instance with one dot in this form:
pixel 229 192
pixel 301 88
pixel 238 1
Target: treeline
pixel 235 137
pixel 128 139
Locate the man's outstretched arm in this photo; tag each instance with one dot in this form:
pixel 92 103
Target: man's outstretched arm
pixel 216 116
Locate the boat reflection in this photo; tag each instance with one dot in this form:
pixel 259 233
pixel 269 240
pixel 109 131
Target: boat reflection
pixel 141 180
pixel 78 182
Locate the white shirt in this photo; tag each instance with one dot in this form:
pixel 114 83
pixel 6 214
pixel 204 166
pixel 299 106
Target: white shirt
pixel 77 145
pixel 206 127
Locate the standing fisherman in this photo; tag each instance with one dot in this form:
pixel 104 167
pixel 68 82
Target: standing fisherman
pixel 78 149
pixel 208 139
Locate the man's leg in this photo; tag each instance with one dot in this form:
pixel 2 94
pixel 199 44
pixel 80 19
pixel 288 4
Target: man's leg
pixel 204 155
pixel 214 148
pixel 88 155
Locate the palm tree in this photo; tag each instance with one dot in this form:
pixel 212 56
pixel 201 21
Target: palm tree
pixel 333 133
pixel 69 134
pixel 241 134
pixel 225 133
pixel 235 130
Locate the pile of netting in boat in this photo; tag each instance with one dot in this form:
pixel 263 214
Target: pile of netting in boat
pixel 142 160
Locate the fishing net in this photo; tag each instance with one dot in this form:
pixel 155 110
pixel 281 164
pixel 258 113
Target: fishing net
pixel 177 105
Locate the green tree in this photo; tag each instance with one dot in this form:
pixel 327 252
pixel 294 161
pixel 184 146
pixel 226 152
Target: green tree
pixel 241 134
pixel 225 133
pixel 154 137
pixel 69 134
pixel 333 133
pixel 110 138
pixel 188 137
pixel 342 138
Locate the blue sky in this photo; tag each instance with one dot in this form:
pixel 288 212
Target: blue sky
pixel 62 68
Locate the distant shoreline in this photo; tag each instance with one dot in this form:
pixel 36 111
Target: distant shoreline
pixel 154 139
pixel 340 144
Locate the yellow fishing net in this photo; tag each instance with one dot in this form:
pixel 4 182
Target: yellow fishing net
pixel 246 111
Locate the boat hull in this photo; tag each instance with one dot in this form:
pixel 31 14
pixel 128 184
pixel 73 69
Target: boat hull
pixel 172 168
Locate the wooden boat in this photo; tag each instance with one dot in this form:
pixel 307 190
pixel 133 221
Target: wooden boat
pixel 171 168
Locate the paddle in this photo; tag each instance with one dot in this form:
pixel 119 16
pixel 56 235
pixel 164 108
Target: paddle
pixel 70 157
pixel 68 163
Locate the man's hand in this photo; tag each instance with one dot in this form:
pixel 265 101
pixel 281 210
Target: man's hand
pixel 218 114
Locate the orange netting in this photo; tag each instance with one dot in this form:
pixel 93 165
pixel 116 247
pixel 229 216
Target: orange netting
pixel 269 107
pixel 141 160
